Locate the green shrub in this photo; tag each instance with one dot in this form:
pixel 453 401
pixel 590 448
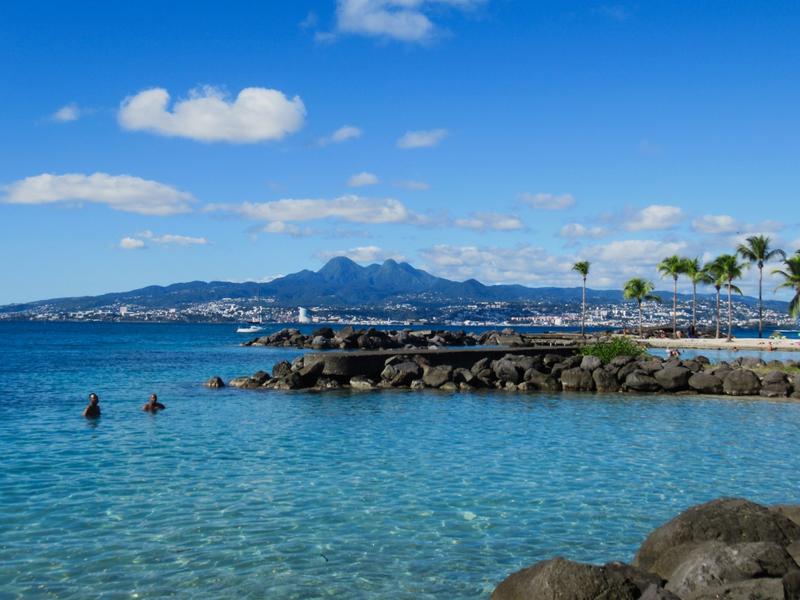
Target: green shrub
pixel 617 346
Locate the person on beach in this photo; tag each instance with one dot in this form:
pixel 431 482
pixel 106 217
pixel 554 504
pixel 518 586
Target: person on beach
pixel 92 410
pixel 153 405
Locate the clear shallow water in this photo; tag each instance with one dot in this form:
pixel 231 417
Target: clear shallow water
pixel 231 493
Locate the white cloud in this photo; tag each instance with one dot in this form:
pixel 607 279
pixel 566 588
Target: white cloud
pixel 490 221
pixel 362 179
pixel 421 138
pixel 715 224
pixel 344 133
pixel 655 217
pixel 280 227
pixel 119 192
pixel 403 20
pixel 354 209
pixel 129 243
pixel 577 230
pixel 638 253
pixel 256 114
pixel 412 185
pixel 169 239
pixel 547 201
pixel 362 254
pixel 68 112
pixel 521 264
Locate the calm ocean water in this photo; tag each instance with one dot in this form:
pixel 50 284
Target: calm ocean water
pixel 231 493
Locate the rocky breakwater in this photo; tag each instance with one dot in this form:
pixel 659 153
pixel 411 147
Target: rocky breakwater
pixel 537 370
pixel 350 338
pixel 728 549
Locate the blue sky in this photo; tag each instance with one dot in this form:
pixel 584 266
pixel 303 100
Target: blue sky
pixel 151 142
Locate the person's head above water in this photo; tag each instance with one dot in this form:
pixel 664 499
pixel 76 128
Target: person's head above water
pixel 93 399
pixel 153 398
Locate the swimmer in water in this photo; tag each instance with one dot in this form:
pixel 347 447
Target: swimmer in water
pixel 92 410
pixel 153 405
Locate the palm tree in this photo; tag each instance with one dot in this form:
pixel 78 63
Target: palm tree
pixel 640 290
pixel 582 268
pixel 729 269
pixel 697 273
pixel 713 269
pixel 673 266
pixel 757 251
pixel 791 280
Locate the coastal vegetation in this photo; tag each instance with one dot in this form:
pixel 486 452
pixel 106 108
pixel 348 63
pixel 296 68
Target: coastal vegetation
pixel 791 280
pixel 640 290
pixel 721 272
pixel 757 251
pixel 582 268
pixel 673 266
pixel 617 346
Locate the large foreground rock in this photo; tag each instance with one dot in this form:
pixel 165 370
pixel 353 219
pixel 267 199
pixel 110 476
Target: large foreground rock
pixel 715 564
pixel 728 520
pixel 560 579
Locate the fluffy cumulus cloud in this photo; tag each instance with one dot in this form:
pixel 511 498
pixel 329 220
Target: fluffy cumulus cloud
pixel 168 239
pixel 490 221
pixel 655 217
pixel 119 192
pixel 350 208
pixel 715 224
pixel 578 230
pixel 67 113
pixel 362 254
pixel 520 264
pixel 129 243
pixel 421 139
pixel 256 114
pixel 547 201
pixel 638 253
pixel 362 179
pixel 343 134
pixel 403 20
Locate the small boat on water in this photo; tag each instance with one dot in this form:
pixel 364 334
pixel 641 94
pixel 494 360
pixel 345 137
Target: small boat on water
pixel 251 328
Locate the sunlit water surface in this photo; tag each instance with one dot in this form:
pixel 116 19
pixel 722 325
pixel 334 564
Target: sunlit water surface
pixel 232 493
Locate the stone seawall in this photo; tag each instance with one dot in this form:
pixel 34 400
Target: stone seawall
pixel 549 369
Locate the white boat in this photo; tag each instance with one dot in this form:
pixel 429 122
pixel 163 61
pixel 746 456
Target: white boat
pixel 250 329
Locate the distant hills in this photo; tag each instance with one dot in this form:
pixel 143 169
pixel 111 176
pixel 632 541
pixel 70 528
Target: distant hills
pixel 342 282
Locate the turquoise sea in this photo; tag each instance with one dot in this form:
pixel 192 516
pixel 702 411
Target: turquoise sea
pixel 242 494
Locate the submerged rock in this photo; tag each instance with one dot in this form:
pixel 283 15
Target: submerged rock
pixel 215 382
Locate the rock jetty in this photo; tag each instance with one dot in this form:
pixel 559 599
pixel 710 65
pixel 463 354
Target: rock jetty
pixel 728 549
pixel 350 338
pixel 530 370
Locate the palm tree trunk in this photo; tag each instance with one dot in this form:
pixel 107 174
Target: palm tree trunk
pixel 675 308
pixel 760 301
pixel 694 308
pixel 730 310
pixel 718 316
pixel 641 330
pixel 583 310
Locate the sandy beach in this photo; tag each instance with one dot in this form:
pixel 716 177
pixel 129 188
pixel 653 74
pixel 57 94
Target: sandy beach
pixel 724 344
